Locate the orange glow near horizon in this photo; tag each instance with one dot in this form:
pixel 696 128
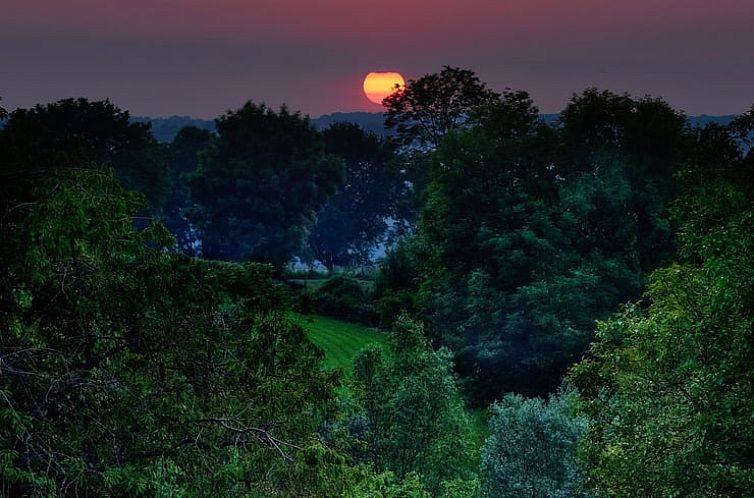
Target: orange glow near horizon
pixel 377 86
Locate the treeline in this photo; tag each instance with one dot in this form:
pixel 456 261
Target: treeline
pixel 129 367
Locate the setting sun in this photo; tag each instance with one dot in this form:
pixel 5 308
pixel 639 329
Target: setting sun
pixel 377 86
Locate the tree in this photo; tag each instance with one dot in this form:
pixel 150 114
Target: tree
pixel 355 219
pixel 258 189
pixel 488 224
pixel 428 108
pixel 183 158
pixel 415 419
pixel 669 388
pixel 131 371
pixel 78 133
pixel 531 451
pixel 530 232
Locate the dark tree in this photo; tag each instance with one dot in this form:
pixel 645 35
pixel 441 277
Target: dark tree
pixel 355 219
pixel 428 108
pixel 77 133
pixel 258 189
pixel 529 233
pixel 183 158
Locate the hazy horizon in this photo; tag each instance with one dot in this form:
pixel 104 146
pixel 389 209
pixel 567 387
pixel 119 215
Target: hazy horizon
pixel 162 58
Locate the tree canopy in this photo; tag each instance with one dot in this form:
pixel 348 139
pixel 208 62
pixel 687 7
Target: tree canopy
pixel 530 232
pixel 258 188
pixel 669 387
pixel 78 133
pixel 431 106
pixel 355 219
pixel 130 371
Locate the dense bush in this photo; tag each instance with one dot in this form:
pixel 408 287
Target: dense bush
pixel 532 449
pixel 414 414
pixel 345 298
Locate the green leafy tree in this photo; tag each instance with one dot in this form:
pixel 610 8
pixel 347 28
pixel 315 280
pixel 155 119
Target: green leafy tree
pixel 529 233
pixel 532 448
pixel 430 107
pixel 669 388
pixel 415 418
pixel 258 189
pixel 487 224
pixel 130 371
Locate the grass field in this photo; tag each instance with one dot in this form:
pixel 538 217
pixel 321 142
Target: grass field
pixel 341 341
pixel 316 283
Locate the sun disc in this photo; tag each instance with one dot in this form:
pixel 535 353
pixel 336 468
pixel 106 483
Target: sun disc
pixel 377 86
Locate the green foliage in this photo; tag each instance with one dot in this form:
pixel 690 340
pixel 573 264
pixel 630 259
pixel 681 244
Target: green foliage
pixel 531 451
pixel 128 371
pixel 397 281
pixel 385 485
pixel 529 233
pixel 258 189
pixel 345 298
pixel 414 415
pixel 669 388
pixel 460 488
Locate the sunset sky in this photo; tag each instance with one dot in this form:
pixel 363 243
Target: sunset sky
pixel 203 57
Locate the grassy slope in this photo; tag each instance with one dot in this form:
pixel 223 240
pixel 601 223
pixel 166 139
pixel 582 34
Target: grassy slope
pixel 341 341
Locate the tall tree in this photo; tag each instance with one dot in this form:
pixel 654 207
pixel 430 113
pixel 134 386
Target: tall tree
pixel 415 416
pixel 355 219
pixel 428 108
pixel 257 190
pixel 78 133
pixel 531 232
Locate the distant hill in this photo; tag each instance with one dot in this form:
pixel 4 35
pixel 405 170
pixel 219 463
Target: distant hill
pixel 165 129
pixel 704 120
pixel 371 121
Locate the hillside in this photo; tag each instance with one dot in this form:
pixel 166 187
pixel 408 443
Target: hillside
pixel 341 341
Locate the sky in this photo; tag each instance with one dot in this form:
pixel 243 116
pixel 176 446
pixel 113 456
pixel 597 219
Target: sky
pixel 204 57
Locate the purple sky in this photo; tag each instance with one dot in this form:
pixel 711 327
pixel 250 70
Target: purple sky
pixel 203 57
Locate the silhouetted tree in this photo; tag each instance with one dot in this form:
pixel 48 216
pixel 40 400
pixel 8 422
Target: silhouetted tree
pixel 355 219
pixel 428 108
pixel 258 188
pixel 78 133
pixel 183 158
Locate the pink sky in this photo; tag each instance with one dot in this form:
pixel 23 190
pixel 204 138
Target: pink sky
pixel 202 57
